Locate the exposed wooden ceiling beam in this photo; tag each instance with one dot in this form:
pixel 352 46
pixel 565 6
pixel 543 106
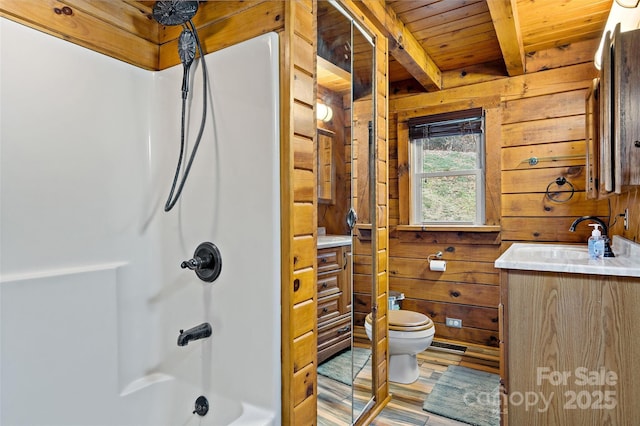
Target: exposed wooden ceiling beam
pixel 402 44
pixel 504 14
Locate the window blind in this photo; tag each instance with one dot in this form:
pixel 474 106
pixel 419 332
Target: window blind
pixel 446 124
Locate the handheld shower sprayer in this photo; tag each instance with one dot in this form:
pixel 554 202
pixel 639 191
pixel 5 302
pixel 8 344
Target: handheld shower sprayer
pixel 171 13
pixel 187 52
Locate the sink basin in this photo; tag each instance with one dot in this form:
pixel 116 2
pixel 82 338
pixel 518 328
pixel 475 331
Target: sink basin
pixel 572 258
pixel 557 252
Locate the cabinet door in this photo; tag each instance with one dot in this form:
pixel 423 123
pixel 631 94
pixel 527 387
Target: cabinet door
pixel 326 167
pixel 606 134
pixel 573 341
pixel 592 119
pixel 626 105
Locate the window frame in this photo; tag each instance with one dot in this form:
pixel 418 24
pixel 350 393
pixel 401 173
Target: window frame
pixel 493 144
pixel 415 177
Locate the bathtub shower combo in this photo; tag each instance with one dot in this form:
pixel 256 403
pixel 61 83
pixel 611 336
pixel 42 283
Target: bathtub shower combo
pixel 102 322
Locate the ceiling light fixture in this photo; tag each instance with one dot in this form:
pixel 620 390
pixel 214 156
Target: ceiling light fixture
pixel 628 4
pixel 324 112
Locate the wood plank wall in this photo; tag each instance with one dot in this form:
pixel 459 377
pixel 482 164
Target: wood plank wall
pixel 115 29
pixel 381 224
pixel 629 200
pixel 125 30
pixel 549 127
pixel 299 213
pixel 541 116
pixel 467 290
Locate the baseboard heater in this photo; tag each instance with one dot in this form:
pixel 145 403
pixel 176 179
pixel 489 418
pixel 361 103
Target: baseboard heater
pixel 448 347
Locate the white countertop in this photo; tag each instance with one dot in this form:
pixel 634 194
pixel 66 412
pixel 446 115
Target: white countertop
pixel 573 258
pixel 326 241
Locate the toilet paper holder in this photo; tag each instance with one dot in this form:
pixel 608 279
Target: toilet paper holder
pixel 437 255
pixel 437 265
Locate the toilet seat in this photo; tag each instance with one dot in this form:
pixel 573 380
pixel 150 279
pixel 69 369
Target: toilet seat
pixel 402 320
pixel 409 333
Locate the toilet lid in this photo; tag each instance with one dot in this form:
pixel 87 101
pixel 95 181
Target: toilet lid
pixel 402 320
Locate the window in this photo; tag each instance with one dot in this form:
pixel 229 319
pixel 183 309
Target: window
pixel 447 168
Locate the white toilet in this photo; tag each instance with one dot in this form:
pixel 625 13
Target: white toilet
pixel 409 334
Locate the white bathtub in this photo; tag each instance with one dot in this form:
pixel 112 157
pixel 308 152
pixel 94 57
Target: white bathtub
pixel 222 411
pixel 92 295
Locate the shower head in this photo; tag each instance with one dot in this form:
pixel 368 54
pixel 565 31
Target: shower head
pixel 177 12
pixel 174 12
pixel 187 47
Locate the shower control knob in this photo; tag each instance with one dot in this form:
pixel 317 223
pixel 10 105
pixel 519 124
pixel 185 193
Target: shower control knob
pixel 194 264
pixel 206 262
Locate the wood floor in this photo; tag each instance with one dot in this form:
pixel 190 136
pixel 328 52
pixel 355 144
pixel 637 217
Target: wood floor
pixel 405 407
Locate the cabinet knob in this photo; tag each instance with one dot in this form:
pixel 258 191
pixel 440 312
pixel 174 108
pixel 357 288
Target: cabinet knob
pixel 637 144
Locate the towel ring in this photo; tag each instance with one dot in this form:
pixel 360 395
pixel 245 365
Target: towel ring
pixel 561 181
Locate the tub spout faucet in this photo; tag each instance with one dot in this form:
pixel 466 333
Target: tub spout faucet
pixel 605 232
pixel 198 332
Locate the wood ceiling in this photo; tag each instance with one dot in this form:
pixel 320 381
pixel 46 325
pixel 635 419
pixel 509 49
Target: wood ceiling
pixel 436 44
pixel 497 36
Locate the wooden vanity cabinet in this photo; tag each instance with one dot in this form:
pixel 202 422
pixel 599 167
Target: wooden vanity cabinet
pixel 334 301
pixel 612 125
pixel 570 346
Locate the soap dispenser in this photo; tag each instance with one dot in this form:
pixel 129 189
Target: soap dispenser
pixel 596 242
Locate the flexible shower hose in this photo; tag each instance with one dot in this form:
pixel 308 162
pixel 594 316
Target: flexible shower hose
pixel 171 200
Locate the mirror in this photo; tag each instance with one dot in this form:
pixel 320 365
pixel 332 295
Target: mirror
pixel 364 203
pixel 345 76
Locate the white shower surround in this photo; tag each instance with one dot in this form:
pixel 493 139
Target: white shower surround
pixel 91 292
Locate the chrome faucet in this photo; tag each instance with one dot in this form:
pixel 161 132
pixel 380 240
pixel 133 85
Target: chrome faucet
pixel 605 232
pixel 198 332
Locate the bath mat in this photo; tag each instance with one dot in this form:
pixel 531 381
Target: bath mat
pixel 467 395
pixel 339 367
